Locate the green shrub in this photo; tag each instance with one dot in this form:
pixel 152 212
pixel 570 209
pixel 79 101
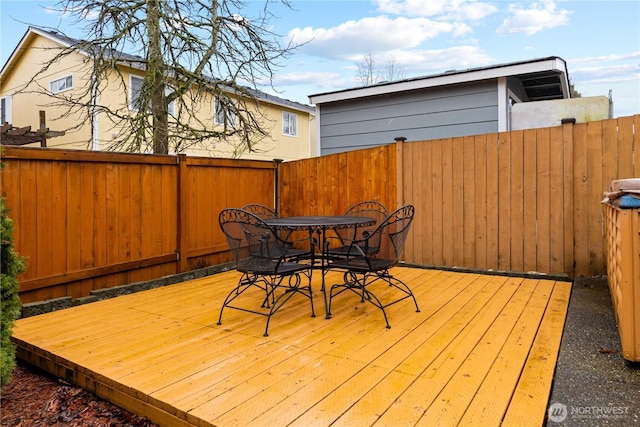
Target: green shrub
pixel 11 265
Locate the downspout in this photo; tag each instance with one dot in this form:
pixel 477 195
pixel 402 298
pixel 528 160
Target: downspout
pixel 276 184
pixel 95 142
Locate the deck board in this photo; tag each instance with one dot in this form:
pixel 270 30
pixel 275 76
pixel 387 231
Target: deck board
pixel 482 350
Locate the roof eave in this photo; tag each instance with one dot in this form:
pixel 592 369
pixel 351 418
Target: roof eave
pixel 450 78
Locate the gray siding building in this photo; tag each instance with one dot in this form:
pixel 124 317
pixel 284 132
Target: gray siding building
pixel 455 103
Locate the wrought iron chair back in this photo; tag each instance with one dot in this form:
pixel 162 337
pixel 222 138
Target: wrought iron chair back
pixel 370 259
pixel 260 211
pixel 262 256
pixel 367 209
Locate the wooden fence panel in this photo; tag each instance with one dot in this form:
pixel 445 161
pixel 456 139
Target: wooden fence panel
pixel 90 220
pixel 521 201
pixel 329 185
pixel 215 184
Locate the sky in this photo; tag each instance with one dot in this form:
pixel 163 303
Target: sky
pixel 599 40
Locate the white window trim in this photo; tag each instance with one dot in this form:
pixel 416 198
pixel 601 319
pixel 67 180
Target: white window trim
pixel 290 114
pixel 230 118
pixel 171 108
pixel 59 79
pixel 8 108
pixel 132 105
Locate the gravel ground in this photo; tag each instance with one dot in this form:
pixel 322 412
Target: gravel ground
pixel 594 383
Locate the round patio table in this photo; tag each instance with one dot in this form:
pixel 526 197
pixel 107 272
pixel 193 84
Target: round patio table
pixel 319 225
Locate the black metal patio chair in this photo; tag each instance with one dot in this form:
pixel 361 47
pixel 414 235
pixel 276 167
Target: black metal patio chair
pixel 370 209
pixel 266 213
pixel 261 211
pixel 262 258
pixel 369 260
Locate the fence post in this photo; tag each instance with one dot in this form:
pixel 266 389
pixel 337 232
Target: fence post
pixel 182 227
pixel 568 196
pixel 399 171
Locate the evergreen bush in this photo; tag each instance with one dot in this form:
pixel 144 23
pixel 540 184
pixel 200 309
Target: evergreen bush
pixel 11 265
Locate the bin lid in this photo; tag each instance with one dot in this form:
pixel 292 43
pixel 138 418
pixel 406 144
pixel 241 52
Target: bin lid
pixel 627 189
pixel 629 185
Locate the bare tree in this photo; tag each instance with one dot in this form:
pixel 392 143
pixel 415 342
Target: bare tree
pixel 366 70
pixel 369 74
pixel 394 70
pixel 189 51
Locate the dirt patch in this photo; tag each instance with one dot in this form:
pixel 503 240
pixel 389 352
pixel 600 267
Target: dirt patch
pixel 35 398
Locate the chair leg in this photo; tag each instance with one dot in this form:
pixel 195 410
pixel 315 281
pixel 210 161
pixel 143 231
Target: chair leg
pixel 270 284
pixel 245 282
pixel 401 286
pixel 292 289
pixel 358 286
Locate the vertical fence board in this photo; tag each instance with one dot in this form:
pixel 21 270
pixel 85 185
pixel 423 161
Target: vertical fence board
pixel 492 195
pixel 635 159
pixel 44 232
pixel 504 202
pixel 542 196
pixel 112 198
pixel 408 193
pixel 530 200
pixel 517 201
pixel 74 216
pixel 480 232
pixel 27 245
pixel 581 197
pixel 124 212
pixel 557 196
pixel 469 201
pixel 596 186
pixel 436 204
pixel 447 201
pixel 457 196
pixel 100 234
pixel 135 215
pixel 625 141
pixel 59 219
pixel 423 234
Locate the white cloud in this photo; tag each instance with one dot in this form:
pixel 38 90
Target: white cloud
pixel 304 78
pixel 436 61
pixel 379 34
pixel 606 58
pixel 538 16
pixel 443 9
pixel 630 71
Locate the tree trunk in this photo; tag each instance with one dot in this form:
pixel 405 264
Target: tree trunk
pixel 156 74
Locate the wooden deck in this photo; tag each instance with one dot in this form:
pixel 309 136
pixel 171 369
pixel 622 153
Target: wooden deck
pixel 482 351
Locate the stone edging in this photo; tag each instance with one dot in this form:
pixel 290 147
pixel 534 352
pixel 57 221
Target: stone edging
pixel 41 307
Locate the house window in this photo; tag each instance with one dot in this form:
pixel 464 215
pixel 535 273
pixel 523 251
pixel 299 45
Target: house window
pixel 172 105
pixel 223 116
pixel 61 85
pixel 135 89
pixel 5 109
pixel 289 124
pixel 135 85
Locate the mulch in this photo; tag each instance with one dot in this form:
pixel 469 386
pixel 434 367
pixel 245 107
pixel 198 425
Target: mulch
pixel 35 398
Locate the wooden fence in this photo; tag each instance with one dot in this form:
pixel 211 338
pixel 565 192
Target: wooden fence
pixel 87 220
pixel 521 201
